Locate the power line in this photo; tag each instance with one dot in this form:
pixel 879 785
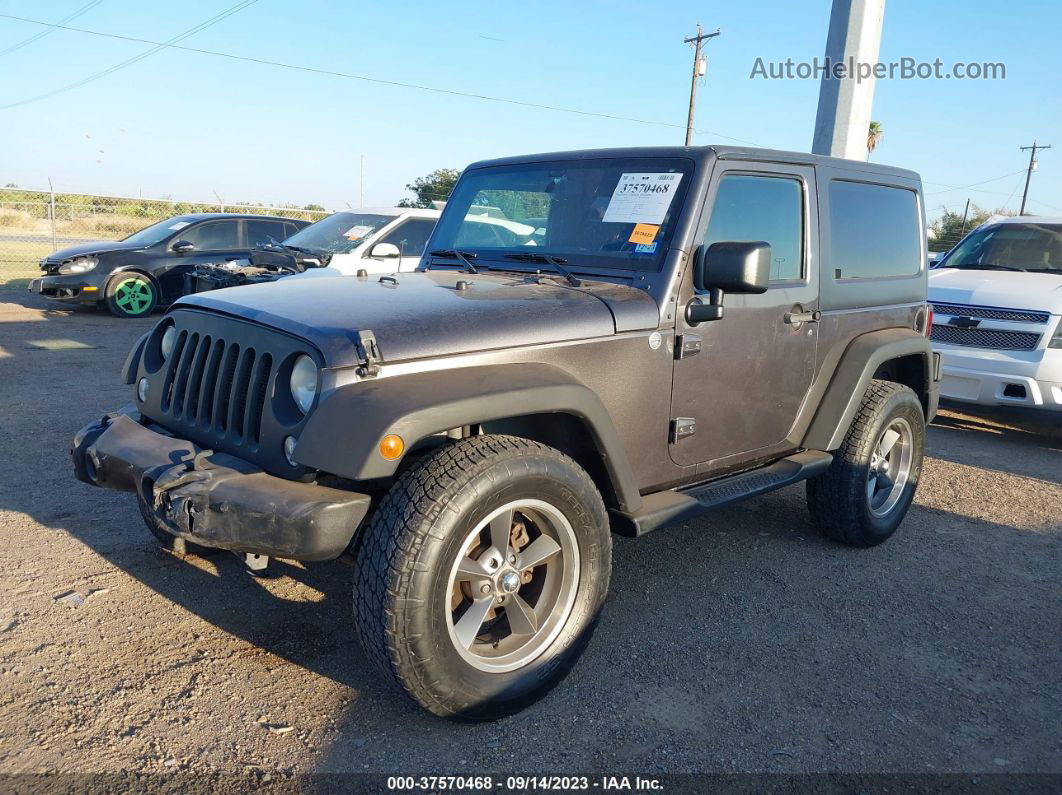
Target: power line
pixel 364 78
pixel 129 61
pixel 19 45
pixel 964 187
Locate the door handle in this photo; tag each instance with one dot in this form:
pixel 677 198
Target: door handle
pixel 796 318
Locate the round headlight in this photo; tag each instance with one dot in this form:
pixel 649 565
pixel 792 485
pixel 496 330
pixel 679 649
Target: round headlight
pixel 169 339
pixel 79 265
pixel 304 382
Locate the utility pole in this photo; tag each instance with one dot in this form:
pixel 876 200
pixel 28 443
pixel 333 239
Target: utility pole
pixel 1028 175
pixel 965 215
pixel 698 72
pixel 845 101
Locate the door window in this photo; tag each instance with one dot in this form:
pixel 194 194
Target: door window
pixel 411 237
pixel 214 236
pixel 771 209
pixel 263 233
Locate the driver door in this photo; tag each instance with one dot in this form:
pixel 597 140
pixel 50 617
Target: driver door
pixel 743 378
pixel 214 241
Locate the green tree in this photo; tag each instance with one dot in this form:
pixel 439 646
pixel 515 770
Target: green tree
pixel 314 208
pixel 874 136
pixel 434 187
pixel 949 229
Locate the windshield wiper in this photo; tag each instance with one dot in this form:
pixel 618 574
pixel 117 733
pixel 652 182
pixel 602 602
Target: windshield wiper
pixel 990 267
pixel 548 259
pixel 465 256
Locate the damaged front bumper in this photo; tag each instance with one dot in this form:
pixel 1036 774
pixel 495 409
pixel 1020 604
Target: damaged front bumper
pixel 214 499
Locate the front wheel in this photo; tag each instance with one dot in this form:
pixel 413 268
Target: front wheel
pixel 480 578
pixel 864 495
pixel 131 295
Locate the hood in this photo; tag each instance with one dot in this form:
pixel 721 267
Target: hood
pixel 424 315
pixel 1003 289
pixel 90 247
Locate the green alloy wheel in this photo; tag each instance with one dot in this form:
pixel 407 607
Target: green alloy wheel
pixel 131 295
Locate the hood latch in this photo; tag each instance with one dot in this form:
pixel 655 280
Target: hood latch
pixel 368 354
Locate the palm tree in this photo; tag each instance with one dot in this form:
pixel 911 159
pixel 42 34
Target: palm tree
pixel 874 136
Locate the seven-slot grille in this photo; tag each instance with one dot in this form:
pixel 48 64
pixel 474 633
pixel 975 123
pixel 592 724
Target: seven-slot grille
pixel 224 386
pixel 217 385
pixel 985 338
pixel 992 313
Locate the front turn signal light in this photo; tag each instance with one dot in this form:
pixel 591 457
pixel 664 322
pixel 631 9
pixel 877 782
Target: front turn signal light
pixel 392 446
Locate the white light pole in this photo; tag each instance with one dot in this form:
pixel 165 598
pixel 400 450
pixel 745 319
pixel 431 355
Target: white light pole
pixel 843 118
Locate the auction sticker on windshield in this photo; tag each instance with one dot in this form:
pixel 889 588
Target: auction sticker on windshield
pixel 641 198
pixel 357 232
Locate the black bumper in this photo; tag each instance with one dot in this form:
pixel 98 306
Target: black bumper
pixel 217 500
pixel 70 289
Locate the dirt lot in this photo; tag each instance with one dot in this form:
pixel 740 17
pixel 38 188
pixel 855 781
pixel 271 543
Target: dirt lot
pixel 740 642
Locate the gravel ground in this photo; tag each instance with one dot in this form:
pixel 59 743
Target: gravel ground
pixel 739 642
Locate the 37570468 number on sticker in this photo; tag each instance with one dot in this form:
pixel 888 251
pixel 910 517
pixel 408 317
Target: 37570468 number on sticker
pixel 642 198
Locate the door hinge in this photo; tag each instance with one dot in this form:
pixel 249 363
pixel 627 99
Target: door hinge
pixel 681 427
pixel 687 345
pixel 368 353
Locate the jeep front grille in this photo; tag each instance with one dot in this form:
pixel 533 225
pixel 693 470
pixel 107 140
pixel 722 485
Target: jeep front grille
pixel 217 386
pixel 225 386
pixel 992 313
pixel 985 338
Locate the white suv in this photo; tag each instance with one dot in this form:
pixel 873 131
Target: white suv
pixel 997 304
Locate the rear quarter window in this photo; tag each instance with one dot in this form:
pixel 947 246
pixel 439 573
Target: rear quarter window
pixel 874 231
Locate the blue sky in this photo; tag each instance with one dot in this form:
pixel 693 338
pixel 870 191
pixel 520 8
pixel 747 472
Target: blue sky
pixel 188 125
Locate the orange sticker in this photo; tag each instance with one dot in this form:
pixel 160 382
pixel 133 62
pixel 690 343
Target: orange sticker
pixel 643 233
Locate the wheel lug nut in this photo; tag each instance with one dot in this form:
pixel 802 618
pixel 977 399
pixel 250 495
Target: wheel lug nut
pixel 484 589
pixel 512 558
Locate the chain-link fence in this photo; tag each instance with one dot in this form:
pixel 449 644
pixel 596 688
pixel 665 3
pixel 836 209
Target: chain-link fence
pixel 34 223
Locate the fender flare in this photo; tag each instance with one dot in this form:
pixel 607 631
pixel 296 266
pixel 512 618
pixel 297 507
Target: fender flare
pixel 343 434
pixel 859 362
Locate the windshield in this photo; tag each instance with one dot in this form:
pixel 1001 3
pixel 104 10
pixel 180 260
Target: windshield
pixel 338 234
pixel 156 233
pixel 609 212
pixel 1020 247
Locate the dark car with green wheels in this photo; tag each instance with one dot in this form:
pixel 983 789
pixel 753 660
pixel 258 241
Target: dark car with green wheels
pixel 688 327
pixel 132 277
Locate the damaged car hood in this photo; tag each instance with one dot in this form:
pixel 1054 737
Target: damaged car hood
pixel 431 314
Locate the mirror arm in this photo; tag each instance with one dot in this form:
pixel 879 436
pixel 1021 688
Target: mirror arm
pixel 698 312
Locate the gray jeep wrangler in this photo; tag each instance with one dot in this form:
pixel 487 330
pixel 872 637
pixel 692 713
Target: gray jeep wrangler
pixel 638 336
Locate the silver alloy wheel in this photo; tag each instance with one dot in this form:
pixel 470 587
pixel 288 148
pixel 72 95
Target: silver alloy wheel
pixel 890 467
pixel 512 586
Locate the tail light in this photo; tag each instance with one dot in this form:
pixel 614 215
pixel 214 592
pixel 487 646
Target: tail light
pixel 929 320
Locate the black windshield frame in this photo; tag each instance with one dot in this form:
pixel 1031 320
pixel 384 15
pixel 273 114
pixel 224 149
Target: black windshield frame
pixel 462 201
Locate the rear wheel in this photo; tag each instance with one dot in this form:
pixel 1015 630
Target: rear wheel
pixel 865 494
pixel 131 295
pixel 480 578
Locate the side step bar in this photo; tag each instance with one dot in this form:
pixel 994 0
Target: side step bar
pixel 666 507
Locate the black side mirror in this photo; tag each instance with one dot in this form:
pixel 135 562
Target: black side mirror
pixel 182 247
pixel 728 267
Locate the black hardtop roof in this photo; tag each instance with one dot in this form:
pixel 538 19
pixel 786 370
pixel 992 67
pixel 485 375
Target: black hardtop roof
pixel 701 154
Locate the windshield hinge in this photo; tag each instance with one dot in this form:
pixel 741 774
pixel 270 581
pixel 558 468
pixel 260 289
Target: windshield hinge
pixel 368 354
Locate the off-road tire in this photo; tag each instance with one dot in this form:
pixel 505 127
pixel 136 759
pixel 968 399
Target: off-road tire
pixel 131 295
pixel 403 557
pixel 837 499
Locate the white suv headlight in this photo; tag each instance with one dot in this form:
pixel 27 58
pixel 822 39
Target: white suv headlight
pixel 1056 341
pixel 79 265
pixel 304 382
